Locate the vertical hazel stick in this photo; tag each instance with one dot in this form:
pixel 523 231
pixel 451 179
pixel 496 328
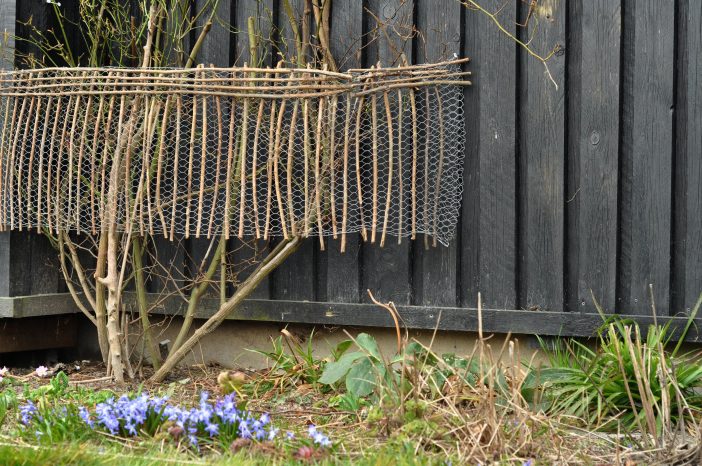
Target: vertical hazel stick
pixel 374 130
pixel 20 168
pixel 59 157
pixel 51 162
pixel 71 150
pixel 150 165
pixel 317 181
pixel 427 133
pixel 2 157
pixel 145 178
pixel 306 157
pixel 7 173
pixel 359 186
pixel 344 212
pixel 203 165
pixel 159 165
pixel 413 188
pixel 291 152
pixel 21 187
pixel 105 152
pixel 10 157
pixel 243 148
pixel 254 169
pixel 400 181
pixel 218 167
pixel 332 162
pixel 269 166
pixel 30 166
pixel 228 181
pixel 131 127
pixel 176 168
pixel 138 210
pixel 93 160
pixel 13 155
pixel 81 152
pixel 42 146
pixel 276 175
pixel 440 170
pixel 388 114
pixel 188 192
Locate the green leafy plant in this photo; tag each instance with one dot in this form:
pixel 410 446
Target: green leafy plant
pixel 292 367
pixel 362 371
pixel 8 401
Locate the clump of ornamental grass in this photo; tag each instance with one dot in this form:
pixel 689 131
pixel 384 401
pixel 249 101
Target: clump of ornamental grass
pixel 632 381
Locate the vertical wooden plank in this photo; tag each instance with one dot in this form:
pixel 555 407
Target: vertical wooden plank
pixel 687 242
pixel 488 230
pixel 217 48
pixel 31 17
pixel 339 274
pixel 285 46
pixel 386 271
pixel 26 258
pixel 435 269
pixel 262 11
pixel 45 276
pixel 297 277
pixel 592 157
pixel 215 51
pixel 7 58
pixel 646 152
pixel 346 35
pixel 7 28
pixel 542 154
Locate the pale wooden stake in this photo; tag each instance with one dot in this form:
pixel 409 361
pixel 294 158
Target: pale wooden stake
pixel 176 168
pixel 344 213
pixel 42 146
pixel 388 200
pixel 374 121
pixel 291 151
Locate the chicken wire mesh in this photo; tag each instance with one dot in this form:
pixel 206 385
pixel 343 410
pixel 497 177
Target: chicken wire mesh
pixel 239 152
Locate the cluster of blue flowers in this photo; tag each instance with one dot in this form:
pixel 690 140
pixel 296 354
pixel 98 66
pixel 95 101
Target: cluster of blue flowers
pixel 318 437
pixel 27 412
pixel 220 418
pixel 129 416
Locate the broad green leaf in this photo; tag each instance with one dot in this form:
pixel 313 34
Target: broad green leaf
pixel 368 343
pixel 342 347
pixel 361 379
pixel 334 371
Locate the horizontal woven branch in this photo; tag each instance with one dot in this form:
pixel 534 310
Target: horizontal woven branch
pixel 236 151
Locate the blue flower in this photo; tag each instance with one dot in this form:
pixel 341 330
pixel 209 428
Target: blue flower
pixel 85 415
pixel 244 430
pixel 290 435
pixel 27 412
pixel 212 429
pixel 273 433
pixel 321 440
pixel 131 428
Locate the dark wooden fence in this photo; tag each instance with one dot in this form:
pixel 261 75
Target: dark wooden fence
pixel 589 186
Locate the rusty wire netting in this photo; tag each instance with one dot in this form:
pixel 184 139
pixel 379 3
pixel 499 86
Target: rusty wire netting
pixel 241 151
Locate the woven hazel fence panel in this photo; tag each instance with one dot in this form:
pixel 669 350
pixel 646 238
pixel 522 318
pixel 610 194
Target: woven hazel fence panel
pixel 240 151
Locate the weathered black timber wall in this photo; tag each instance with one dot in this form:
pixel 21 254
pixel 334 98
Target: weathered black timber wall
pixel 593 183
